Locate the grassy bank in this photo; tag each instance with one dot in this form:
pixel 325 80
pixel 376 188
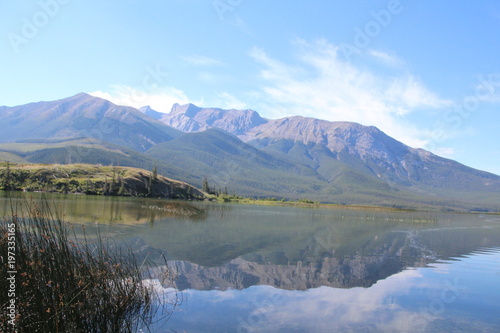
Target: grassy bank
pixel 93 179
pixel 306 203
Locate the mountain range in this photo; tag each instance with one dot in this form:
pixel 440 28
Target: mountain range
pixel 238 150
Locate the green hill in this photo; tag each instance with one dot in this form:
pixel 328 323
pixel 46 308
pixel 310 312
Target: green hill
pixel 84 150
pixel 228 162
pixel 93 179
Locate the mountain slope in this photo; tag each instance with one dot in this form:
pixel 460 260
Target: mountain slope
pixel 349 156
pixel 83 115
pixel 371 151
pixel 228 162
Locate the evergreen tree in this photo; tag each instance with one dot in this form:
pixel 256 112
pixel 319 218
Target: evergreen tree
pixel 155 174
pixel 205 188
pixel 7 177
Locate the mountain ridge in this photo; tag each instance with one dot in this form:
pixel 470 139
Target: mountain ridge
pixel 83 115
pixel 191 118
pixel 366 146
pixel 292 157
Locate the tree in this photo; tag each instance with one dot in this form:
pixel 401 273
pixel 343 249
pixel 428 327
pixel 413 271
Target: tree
pixel 7 180
pixel 205 186
pixel 155 174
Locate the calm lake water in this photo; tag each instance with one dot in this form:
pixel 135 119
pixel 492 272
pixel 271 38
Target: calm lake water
pixel 247 268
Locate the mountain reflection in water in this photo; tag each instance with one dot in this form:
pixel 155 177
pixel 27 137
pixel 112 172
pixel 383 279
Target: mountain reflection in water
pixel 354 249
pixel 244 268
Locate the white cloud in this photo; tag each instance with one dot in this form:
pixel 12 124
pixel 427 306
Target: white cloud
pixel 322 85
pixel 344 309
pixel 161 99
pixel 387 59
pixel 327 309
pixel 447 152
pixel 227 101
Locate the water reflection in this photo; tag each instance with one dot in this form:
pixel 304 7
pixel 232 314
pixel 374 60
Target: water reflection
pixel 285 269
pixel 375 260
pixel 298 257
pixel 102 209
pixel 443 298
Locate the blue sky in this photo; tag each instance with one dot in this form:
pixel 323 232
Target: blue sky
pixel 425 72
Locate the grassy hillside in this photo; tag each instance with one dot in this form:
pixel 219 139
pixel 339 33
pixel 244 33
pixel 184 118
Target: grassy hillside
pixel 85 151
pixel 93 179
pixel 228 162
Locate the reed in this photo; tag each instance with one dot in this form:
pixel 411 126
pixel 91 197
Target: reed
pixel 65 283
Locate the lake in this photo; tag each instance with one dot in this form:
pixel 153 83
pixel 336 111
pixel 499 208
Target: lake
pixel 250 268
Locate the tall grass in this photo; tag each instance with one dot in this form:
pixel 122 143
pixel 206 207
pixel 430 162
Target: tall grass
pixel 66 283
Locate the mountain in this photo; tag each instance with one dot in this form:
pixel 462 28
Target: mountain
pixel 83 115
pixel 190 118
pixel 369 150
pixel 347 155
pixel 148 111
pixel 238 150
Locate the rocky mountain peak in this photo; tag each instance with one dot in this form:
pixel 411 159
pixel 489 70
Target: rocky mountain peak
pixel 191 118
pixel 148 111
pixel 189 110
